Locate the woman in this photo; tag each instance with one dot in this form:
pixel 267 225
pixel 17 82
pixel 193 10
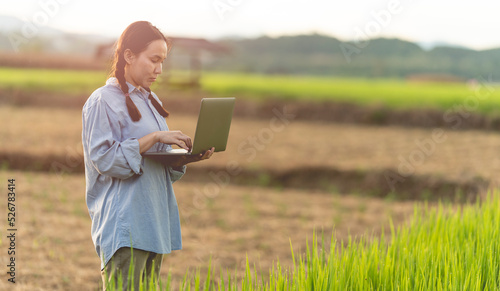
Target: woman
pixel 130 198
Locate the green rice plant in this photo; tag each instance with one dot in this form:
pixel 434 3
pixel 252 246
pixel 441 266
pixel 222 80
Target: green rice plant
pixel 443 248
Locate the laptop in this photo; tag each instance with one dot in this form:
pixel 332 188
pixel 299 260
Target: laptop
pixel 212 129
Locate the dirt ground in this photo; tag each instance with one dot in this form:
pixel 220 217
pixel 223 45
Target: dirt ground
pixel 282 143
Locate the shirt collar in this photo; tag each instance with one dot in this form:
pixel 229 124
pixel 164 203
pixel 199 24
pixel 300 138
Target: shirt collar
pixel 131 88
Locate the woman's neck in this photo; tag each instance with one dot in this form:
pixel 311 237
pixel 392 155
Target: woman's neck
pixel 129 79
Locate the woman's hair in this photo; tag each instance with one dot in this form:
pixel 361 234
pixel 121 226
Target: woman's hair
pixel 136 37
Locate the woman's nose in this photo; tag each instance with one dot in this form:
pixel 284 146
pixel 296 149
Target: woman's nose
pixel 158 69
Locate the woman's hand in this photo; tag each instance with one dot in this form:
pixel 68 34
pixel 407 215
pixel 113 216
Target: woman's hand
pixel 179 161
pixel 167 137
pixel 175 137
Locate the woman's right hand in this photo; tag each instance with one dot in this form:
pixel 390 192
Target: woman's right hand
pixel 175 137
pixel 167 137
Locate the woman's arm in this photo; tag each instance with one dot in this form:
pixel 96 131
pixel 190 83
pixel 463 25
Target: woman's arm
pixel 100 135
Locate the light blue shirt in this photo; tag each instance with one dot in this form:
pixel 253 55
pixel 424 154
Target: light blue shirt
pixel 130 198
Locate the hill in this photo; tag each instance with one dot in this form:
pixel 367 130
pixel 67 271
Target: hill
pixel 381 57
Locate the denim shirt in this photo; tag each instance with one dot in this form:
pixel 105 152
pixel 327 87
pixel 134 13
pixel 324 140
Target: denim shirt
pixel 130 198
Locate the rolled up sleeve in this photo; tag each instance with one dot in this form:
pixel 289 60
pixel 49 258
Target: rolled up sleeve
pixel 108 154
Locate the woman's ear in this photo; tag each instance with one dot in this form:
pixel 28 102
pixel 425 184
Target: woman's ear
pixel 129 56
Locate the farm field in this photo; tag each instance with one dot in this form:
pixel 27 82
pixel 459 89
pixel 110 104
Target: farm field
pixel 261 144
pixel 255 218
pixel 56 251
pixel 393 93
pixel 235 221
pixel 396 94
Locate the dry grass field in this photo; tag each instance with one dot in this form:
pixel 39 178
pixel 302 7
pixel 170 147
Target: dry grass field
pixel 55 251
pixel 269 144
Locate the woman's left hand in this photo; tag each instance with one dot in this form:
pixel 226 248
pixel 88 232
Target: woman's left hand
pixel 179 161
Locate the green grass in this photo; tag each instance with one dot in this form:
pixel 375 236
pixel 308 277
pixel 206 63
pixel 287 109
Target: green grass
pixel 50 80
pixel 390 93
pixel 443 248
pixel 386 92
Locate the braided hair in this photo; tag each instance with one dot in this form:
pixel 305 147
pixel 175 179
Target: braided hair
pixel 136 37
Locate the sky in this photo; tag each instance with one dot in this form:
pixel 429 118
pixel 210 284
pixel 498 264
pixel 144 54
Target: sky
pixel 474 24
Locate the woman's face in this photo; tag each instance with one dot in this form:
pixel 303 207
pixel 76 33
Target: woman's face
pixel 143 69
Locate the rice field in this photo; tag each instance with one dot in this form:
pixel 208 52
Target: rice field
pixel 478 95
pixel 259 222
pixel 262 237
pixel 443 248
pixel 392 93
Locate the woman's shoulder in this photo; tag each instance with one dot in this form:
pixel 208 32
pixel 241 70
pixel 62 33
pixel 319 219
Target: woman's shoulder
pixel 109 98
pixel 110 94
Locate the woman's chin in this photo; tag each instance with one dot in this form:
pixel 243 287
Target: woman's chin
pixel 146 84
